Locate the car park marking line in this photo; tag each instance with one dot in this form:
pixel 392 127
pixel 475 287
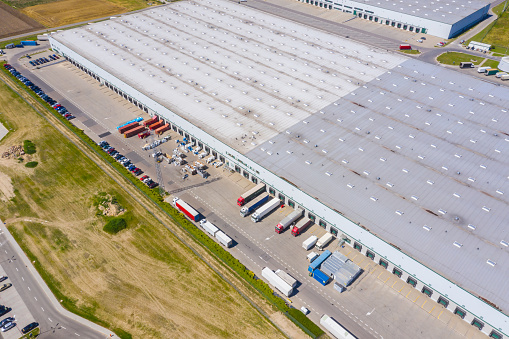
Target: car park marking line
pixel 17 269
pixel 417 298
pixel 394 284
pixel 432 309
pixel 440 314
pixel 50 319
pixel 6 252
pixel 425 301
pixel 406 296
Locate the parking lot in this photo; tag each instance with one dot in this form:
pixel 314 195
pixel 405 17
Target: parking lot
pixel 370 306
pixel 19 311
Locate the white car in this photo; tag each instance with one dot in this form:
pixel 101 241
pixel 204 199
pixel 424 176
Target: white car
pixel 304 310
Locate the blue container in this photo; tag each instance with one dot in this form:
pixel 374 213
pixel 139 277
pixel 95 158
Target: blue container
pixel 321 277
pixel 318 261
pixel 29 43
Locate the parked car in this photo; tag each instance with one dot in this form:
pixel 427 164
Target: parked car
pixel 153 184
pixel 29 327
pixel 4 310
pixel 8 326
pixel 6 320
pixel 5 286
pixel 144 177
pixel 2 278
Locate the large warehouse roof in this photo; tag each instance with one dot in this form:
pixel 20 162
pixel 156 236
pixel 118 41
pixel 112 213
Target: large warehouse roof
pixel 243 76
pixel 412 151
pixel 447 11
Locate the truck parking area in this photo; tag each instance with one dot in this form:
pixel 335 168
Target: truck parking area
pixel 369 306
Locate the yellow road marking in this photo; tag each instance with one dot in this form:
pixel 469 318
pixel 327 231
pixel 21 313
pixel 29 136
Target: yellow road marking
pixel 406 296
pixel 387 279
pixel 394 283
pixel 380 274
pixel 402 288
pixel 440 314
pixel 417 298
pixel 425 301
pixel 432 309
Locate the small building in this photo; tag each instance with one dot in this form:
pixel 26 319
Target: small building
pixel 479 46
pixel 341 269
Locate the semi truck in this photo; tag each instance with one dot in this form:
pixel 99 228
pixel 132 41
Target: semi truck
pixel 134 131
pixel 466 64
pixel 150 121
pixel 335 328
pixel 277 282
pixel 224 239
pixel 265 209
pixel 505 77
pixel 310 242
pixel 186 209
pixel 29 43
pixel 324 241
pixel 405 46
pixel 247 210
pixel 127 127
pixel 143 135
pixel 155 125
pixel 251 194
pixel 209 227
pixel 301 226
pixel 287 278
pixel 491 71
pixel 312 256
pixel 288 220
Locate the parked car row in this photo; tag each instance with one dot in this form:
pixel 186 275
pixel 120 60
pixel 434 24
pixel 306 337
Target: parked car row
pixel 59 108
pixel 9 322
pixel 149 182
pixel 43 60
pixel 121 159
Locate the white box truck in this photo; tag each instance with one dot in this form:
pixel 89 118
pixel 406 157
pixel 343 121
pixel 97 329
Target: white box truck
pixel 324 241
pixel 224 239
pixel 335 328
pixel 265 209
pixel 287 278
pixel 482 69
pixel 209 227
pixel 277 282
pixel 312 256
pixel 310 242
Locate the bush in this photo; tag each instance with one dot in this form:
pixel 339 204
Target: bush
pixel 115 225
pixel 299 317
pixel 28 147
pixel 31 164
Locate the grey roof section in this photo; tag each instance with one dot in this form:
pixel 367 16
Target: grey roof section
pixel 342 269
pixel 418 156
pixel 237 73
pixel 447 11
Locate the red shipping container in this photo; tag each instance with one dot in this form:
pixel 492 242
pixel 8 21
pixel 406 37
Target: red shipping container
pixel 135 131
pixel 150 121
pixel 162 129
pixel 125 128
pixel 405 46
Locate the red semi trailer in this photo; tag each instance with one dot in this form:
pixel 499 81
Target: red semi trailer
pixel 125 128
pixel 134 131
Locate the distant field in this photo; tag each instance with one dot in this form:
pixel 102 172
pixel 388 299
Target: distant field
pixel 142 282
pixel 13 22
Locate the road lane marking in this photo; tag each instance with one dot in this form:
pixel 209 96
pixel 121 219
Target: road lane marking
pixel 22 278
pixel 42 309
pixel 29 288
pixel 17 269
pixel 50 319
pixel 440 314
pixel 63 327
pixel 35 298
pixel 77 334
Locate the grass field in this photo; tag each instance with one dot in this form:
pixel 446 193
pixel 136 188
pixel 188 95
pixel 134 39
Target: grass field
pixel 141 282
pixel 496 34
pixel 454 58
pixel 491 63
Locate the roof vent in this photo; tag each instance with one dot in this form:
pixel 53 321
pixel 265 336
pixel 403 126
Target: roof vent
pixel 399 212
pixel 441 211
pixel 486 209
pixel 308 162
pixel 427 228
pixel 472 227
pixel 328 173
pixel 350 185
pixel 373 198
pixel 457 244
pixel 504 243
pixel 491 262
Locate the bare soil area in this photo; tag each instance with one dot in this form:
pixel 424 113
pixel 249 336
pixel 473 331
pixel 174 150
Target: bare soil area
pixel 13 22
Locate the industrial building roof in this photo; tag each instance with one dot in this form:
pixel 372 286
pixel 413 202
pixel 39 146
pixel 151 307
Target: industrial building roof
pixel 447 11
pixel 413 152
pixel 237 73
pixel 418 156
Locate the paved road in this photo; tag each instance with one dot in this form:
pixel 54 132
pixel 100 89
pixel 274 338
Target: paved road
pixel 55 322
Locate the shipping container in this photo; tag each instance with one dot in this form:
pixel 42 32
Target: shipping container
pixel 405 46
pixel 224 239
pixel 29 43
pixel 277 282
pixel 134 131
pixel 335 328
pixel 127 127
pixel 251 194
pixel 310 242
pixel 318 261
pixel 287 278
pixel 162 129
pixel 209 227
pixel 491 71
pixel 186 209
pixel 324 241
pixel 155 125
pixel 150 121
pixel 321 277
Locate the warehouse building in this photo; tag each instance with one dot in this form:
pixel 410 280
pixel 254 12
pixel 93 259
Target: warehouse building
pixel 441 18
pixel 402 160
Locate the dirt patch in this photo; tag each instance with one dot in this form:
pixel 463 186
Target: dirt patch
pixel 13 22
pixel 6 188
pixel 65 12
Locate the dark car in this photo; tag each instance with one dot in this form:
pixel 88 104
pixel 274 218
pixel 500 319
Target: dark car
pixel 8 326
pixel 4 310
pixel 29 327
pixel 2 278
pixel 6 320
pixel 153 184
pixel 5 286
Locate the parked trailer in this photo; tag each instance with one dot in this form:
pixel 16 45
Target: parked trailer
pixel 186 209
pixel 466 64
pixel 29 43
pixel 127 127
pixel 162 129
pixel 288 220
pixel 321 277
pixel 277 282
pixel 310 242
pixel 301 226
pixel 500 74
pixel 209 227
pixel 491 71
pixel 265 209
pixel 324 241
pixel 143 135
pixel 312 256
pixel 505 77
pixel 156 125
pixel 287 278
pixel 224 239
pixel 251 194
pixel 482 69
pixel 150 121
pixel 134 131
pixel 318 261
pixel 335 328
pixel 138 119
pixel 247 210
pixel 405 46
